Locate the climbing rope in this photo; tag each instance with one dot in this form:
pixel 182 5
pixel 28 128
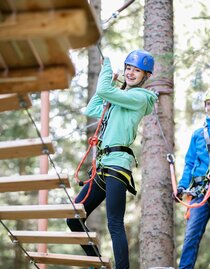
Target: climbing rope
pixel 93 141
pixel 174 185
pixel 171 160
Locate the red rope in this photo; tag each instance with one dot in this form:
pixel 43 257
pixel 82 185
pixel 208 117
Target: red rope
pixel 93 141
pixel 174 186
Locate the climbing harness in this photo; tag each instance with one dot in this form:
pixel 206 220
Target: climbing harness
pixel 98 172
pixel 190 193
pixel 123 175
pixel 93 141
pixel 108 150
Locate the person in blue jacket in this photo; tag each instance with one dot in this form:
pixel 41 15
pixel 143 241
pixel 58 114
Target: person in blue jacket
pixel 195 179
pixel 127 106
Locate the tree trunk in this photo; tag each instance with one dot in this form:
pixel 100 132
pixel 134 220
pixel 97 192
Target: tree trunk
pixel 156 229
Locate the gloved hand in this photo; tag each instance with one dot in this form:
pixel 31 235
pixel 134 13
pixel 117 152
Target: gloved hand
pixel 179 194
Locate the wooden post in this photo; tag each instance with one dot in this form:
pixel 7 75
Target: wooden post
pixel 43 194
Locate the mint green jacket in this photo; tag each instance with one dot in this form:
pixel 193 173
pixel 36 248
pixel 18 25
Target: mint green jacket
pixel 127 109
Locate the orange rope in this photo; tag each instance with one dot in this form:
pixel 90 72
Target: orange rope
pixel 93 141
pixel 174 186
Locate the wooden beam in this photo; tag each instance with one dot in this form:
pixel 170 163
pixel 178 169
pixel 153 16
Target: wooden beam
pixel 14 102
pixel 41 211
pixel 70 260
pixel 33 182
pixel 52 237
pixel 25 148
pixel 44 24
pixel 32 80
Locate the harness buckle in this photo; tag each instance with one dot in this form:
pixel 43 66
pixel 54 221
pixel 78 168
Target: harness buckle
pixel 107 150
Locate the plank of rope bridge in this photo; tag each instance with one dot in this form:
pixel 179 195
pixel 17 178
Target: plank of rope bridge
pixel 33 182
pixel 41 211
pixel 25 148
pixel 71 260
pixel 52 237
pixel 34 80
pixel 92 31
pixel 43 24
pixel 13 102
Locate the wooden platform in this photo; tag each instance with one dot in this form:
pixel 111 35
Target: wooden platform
pixel 70 260
pixel 52 237
pixel 24 148
pixel 13 101
pixel 35 39
pixel 33 182
pixel 41 211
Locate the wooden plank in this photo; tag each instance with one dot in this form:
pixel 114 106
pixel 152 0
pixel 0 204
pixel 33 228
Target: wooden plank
pixel 70 260
pixel 93 29
pixel 32 80
pixel 41 211
pixel 33 182
pixel 25 148
pixel 51 51
pixel 40 5
pixel 14 102
pixel 44 24
pixel 52 237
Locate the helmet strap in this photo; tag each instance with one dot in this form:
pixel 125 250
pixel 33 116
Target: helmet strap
pixel 142 81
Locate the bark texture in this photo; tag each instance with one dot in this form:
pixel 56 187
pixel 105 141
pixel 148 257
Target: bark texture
pixel 156 227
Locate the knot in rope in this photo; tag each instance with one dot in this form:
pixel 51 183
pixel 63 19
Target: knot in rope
pixel 93 141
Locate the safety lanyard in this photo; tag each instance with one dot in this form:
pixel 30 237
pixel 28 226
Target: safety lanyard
pixel 93 141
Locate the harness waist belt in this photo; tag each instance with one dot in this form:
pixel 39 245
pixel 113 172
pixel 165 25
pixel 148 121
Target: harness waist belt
pixel 100 180
pixel 108 150
pixel 198 179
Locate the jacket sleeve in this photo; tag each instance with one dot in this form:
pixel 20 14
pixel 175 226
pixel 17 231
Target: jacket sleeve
pixel 133 99
pixel 190 159
pixel 95 107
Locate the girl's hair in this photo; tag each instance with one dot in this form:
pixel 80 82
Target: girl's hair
pixel 123 86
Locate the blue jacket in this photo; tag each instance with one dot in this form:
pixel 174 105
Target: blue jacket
pixel 197 158
pixel 127 109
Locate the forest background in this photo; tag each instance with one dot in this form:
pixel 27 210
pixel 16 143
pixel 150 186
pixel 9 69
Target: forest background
pixel 68 127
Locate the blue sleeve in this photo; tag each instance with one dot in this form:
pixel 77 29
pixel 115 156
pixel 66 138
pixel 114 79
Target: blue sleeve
pixel 190 159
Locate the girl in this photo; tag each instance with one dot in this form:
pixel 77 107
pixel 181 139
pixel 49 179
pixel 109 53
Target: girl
pixel 127 106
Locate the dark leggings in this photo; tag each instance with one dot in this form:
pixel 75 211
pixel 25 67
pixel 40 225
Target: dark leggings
pixel 115 208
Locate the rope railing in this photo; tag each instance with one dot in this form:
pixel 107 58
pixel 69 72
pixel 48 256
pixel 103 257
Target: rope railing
pixel 62 184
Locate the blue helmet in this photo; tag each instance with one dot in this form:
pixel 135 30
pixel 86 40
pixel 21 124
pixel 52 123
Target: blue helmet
pixel 141 59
